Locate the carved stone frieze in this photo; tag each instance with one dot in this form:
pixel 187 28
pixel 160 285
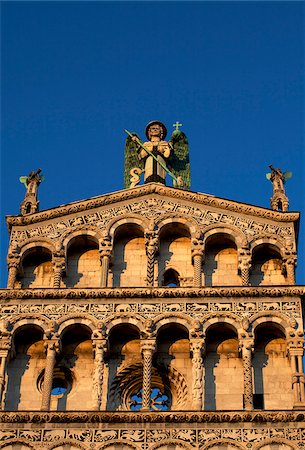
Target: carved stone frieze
pixel 199 310
pixel 157 292
pixel 34 227
pixel 141 191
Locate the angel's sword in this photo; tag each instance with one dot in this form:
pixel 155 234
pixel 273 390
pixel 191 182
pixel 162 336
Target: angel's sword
pixel 154 157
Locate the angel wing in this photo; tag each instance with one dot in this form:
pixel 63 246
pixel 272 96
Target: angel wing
pixel 287 175
pixel 23 180
pixel 179 162
pixel 131 160
pixel 268 176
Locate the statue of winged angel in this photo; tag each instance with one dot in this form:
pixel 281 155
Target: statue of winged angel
pixel 157 157
pixel 278 178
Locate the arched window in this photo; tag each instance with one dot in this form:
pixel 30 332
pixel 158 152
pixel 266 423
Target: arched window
pixel 37 268
pixel 175 251
pixel 267 266
pixel 129 262
pixel 171 278
pixel 221 261
pixel 83 263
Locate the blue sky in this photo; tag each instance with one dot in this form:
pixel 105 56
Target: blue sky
pixel 74 75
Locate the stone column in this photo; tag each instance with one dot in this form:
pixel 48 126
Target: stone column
pixel 147 349
pixel 246 346
pixel 59 267
pixel 295 346
pixel 197 257
pixel 105 255
pixel 244 264
pixel 5 346
pixel 151 245
pixel 13 264
pixel 197 348
pixel 99 347
pixel 290 264
pixel 52 346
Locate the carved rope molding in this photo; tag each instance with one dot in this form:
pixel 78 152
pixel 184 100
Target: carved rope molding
pixel 157 292
pixel 141 191
pixel 152 417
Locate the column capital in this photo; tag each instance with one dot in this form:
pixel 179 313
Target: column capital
pixel 52 343
pixel 148 345
pixel 197 247
pixel 197 345
pixel 246 343
pixel 105 246
pixel 151 242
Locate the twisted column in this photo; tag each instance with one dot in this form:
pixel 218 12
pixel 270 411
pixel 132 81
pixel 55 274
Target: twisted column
pixel 99 347
pixel 105 255
pixel 197 347
pixel 147 348
pixel 197 256
pixel 246 346
pixel 151 245
pixel 244 264
pixel 59 267
pixel 52 346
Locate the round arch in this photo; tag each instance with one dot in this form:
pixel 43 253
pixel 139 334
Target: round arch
pixel 117 222
pixel 126 444
pixel 16 444
pixel 66 444
pixel 231 445
pixel 117 319
pixel 278 243
pixel 267 443
pixel 284 323
pixel 234 234
pixel 16 322
pixel 190 224
pixel 173 442
pixel 175 319
pixel 230 320
pixel 86 231
pixel 34 243
pixel 77 319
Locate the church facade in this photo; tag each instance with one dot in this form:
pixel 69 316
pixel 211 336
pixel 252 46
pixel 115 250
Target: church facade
pixel 152 318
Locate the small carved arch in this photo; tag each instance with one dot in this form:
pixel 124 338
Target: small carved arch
pixel 234 234
pixel 116 319
pixel 275 440
pixel 83 230
pixel 124 443
pixel 189 224
pixel 77 319
pixel 33 243
pixel 170 277
pixel 17 441
pixel 228 442
pixel 16 322
pixel 216 318
pixel 117 222
pixel 284 323
pixel 175 318
pixel 62 442
pixel 177 442
pixel 277 242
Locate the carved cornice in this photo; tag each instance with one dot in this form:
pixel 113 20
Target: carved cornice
pixel 152 188
pixel 152 417
pixel 157 292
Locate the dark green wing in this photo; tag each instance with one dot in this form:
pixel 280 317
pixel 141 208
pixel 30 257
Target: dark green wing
pixel 131 160
pixel 179 162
